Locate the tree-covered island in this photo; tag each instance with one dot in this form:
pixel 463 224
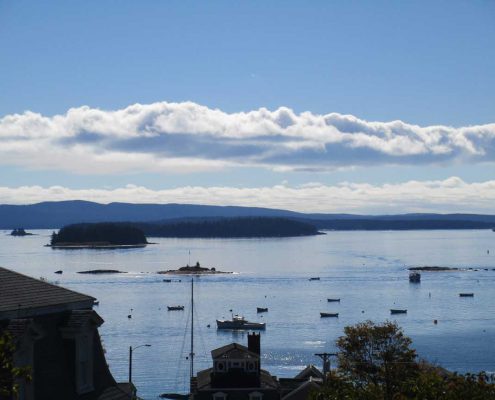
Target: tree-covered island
pixel 98 235
pixel 19 232
pixel 245 227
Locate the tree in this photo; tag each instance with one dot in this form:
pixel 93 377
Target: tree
pixel 8 372
pixel 377 356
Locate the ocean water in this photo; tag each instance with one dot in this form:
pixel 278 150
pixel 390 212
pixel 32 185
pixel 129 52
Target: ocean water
pixel 367 270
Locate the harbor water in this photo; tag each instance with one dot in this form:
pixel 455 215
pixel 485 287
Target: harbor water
pixel 366 270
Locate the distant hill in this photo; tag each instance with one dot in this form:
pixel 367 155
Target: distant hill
pixel 54 215
pixel 58 214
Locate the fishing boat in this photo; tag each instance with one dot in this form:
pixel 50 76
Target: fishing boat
pixel 466 294
pixel 329 315
pixel 175 308
pixel 239 323
pixel 333 300
pixel 261 309
pixel 316 278
pixel 397 311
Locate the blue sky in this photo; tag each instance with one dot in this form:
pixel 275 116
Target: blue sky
pixel 210 67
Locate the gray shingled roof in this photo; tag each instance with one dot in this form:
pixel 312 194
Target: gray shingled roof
pixel 233 350
pixel 22 296
pixel 310 370
pixel 115 393
pixel 303 392
pixel 79 318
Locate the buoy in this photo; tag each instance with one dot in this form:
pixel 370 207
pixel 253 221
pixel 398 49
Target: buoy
pixel 208 325
pixel 435 321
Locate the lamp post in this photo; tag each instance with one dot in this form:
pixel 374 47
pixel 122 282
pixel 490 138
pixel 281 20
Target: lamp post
pixel 131 349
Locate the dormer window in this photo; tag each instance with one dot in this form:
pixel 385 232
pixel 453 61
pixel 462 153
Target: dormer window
pixel 219 396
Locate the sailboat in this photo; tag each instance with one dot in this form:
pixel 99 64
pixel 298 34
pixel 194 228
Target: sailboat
pixel 192 379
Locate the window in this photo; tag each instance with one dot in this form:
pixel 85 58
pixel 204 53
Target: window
pixel 255 396
pixel 84 364
pixel 220 366
pixel 219 396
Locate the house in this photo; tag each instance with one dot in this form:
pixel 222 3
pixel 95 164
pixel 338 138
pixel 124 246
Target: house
pixel 55 332
pixel 236 374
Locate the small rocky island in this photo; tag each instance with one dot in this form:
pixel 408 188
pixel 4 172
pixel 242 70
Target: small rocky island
pixel 193 270
pixel 20 232
pixel 104 235
pixel 102 271
pixel 428 268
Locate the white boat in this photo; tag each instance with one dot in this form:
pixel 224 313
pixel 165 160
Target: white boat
pixel 239 322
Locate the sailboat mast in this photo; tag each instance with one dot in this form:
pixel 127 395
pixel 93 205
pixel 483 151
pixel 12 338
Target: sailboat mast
pixel 191 355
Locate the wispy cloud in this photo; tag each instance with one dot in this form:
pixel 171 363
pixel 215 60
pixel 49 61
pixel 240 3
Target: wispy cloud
pixel 449 195
pixel 187 137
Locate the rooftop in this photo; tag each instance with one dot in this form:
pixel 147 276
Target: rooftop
pixel 22 296
pixel 234 351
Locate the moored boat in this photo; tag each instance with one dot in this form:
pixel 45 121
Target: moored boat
pixel 239 323
pixel 261 309
pixel 398 311
pixel 175 308
pixel 466 294
pixel 414 277
pixel 333 300
pixel 329 315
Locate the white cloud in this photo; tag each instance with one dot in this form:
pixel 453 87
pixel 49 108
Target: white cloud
pixel 449 195
pixel 187 137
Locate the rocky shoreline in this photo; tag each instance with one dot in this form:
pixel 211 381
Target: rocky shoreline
pixel 193 270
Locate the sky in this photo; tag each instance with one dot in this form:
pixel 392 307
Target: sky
pixel 375 107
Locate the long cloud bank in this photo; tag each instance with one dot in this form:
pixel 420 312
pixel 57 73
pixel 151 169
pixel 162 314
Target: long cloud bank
pixel 449 195
pixel 188 137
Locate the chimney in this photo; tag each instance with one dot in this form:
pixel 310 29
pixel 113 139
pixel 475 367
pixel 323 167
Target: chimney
pixel 254 344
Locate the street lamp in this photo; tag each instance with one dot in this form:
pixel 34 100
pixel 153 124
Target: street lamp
pixel 131 349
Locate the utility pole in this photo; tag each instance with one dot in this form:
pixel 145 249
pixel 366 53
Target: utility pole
pixel 131 349
pixel 130 364
pixel 326 362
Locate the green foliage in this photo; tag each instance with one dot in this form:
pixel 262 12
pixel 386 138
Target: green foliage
pixel 377 363
pixel 8 372
pixel 377 355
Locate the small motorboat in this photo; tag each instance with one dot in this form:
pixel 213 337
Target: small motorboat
pixel 397 311
pixel 175 308
pixel 415 277
pixel 466 294
pixel 316 278
pixel 261 309
pixel 329 315
pixel 333 300
pixel 167 280
pixel 239 323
